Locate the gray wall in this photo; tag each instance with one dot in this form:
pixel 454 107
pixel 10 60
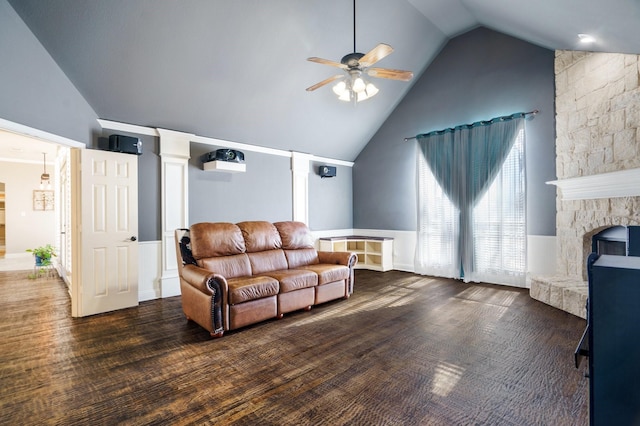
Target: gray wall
pixel 35 92
pixel 330 199
pixel 263 192
pixel 477 76
pixel 33 89
pixel 149 188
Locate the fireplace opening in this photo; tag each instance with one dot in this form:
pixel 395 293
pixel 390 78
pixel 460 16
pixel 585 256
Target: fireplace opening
pixel 617 241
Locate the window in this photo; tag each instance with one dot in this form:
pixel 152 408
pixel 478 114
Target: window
pixel 499 238
pixel 471 203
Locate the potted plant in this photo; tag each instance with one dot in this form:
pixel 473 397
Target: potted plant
pixel 43 254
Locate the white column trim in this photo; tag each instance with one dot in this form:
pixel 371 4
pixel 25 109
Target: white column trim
pixel 152 131
pixel 241 146
pixel 300 179
pixel 332 161
pixel 174 155
pixel 129 128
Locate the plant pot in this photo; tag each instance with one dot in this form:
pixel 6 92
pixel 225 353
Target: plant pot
pixel 42 261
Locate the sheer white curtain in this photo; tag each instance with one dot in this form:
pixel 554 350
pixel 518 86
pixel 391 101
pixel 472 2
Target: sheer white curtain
pixel 471 221
pixel 499 223
pixel 437 251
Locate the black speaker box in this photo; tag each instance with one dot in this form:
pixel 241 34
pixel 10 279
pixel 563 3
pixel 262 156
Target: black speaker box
pixel 126 144
pixel 327 171
pixel 224 154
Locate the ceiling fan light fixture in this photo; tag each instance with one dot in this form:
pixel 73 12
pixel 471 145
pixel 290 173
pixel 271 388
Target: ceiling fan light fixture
pixel 353 86
pixel 340 88
pixel 359 85
pixel 361 96
pixel 371 90
pixel 345 96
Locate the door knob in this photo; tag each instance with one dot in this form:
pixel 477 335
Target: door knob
pixel 133 238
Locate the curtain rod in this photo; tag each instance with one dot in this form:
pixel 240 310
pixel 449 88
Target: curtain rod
pixel 534 112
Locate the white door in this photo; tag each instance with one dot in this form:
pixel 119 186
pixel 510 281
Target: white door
pixel 106 260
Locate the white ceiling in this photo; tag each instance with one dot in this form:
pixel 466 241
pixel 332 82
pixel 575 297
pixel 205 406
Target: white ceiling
pixel 237 70
pixel 24 149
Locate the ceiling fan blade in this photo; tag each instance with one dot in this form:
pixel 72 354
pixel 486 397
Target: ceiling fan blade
pixel 374 55
pixel 390 74
pixel 323 82
pixel 327 62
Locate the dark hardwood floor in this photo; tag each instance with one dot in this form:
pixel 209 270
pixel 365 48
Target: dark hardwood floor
pixel 403 350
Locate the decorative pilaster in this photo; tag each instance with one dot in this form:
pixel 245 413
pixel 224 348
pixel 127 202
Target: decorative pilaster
pixel 174 154
pixel 300 178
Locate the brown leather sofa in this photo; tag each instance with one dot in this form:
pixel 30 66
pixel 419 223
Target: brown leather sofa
pixel 233 275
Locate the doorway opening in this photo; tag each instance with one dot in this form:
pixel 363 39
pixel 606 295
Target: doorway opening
pixel 26 155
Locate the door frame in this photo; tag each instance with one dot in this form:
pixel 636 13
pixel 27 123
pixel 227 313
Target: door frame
pixel 64 213
pixel 32 132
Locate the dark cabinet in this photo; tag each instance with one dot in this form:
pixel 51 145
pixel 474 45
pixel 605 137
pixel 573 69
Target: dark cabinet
pixel 614 340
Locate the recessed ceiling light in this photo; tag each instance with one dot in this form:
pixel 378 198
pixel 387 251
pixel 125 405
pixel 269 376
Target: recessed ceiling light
pixel 586 38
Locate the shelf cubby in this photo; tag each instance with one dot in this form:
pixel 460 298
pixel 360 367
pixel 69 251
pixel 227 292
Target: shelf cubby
pixel 374 253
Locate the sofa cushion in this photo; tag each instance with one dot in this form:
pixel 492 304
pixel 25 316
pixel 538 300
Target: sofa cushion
pixel 294 279
pixel 301 257
pixel 294 235
pixel 251 288
pixel 328 273
pixel 215 239
pixel 265 261
pixel 260 236
pixel 228 266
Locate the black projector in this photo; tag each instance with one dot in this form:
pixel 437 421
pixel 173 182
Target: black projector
pixel 230 155
pixel 126 144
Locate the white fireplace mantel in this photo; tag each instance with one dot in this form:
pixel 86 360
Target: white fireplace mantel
pixel 623 183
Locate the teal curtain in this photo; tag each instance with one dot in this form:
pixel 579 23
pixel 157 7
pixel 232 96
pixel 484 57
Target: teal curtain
pixel 464 161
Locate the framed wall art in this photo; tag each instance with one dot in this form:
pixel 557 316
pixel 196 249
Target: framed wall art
pixel 43 200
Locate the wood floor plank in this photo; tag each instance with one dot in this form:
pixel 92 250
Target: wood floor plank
pixel 403 350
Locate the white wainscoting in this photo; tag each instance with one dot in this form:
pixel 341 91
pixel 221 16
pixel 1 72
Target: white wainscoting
pixel 541 258
pixel 541 255
pixel 151 283
pixel 149 270
pixel 541 249
pixel 331 233
pixel 404 246
pixel 404 243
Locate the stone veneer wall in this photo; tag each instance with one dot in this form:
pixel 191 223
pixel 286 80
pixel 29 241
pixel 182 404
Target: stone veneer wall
pixel 597 131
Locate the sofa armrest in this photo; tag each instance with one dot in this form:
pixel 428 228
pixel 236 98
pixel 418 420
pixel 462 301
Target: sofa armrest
pixel 201 279
pixel 212 285
pixel 338 258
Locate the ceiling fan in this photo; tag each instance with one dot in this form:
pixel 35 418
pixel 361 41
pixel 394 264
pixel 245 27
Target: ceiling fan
pixel 353 86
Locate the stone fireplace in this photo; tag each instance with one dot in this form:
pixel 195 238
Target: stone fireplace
pixel 597 164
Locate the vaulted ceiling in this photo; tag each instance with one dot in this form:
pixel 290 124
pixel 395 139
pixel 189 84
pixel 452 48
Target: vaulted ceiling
pixel 237 70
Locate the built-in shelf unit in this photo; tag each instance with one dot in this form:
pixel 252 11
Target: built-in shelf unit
pixel 375 253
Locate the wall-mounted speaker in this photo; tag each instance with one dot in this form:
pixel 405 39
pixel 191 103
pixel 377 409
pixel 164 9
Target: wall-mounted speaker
pixel 327 171
pixel 224 154
pixel 127 144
